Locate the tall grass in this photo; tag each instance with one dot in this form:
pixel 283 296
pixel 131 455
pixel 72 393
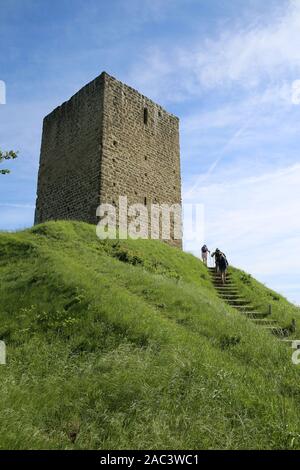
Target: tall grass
pixel 126 345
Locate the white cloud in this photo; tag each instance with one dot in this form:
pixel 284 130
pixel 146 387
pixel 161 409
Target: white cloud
pixel 18 206
pixel 248 55
pixel 244 55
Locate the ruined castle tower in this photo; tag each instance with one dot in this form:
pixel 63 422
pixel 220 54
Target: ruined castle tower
pixel 107 141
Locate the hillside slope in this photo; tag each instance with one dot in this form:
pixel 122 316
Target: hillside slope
pixel 126 345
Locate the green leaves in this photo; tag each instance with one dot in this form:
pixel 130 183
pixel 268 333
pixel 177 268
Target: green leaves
pixel 10 155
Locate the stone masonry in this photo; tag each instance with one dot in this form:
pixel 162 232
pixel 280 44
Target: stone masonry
pixel 107 141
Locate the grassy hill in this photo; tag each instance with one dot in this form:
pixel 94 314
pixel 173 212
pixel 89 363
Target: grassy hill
pixel 125 344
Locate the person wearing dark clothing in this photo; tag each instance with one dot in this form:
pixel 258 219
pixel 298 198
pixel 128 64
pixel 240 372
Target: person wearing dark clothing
pixel 223 265
pixel 216 254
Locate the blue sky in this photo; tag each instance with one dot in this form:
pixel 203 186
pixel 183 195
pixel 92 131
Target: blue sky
pixel 227 68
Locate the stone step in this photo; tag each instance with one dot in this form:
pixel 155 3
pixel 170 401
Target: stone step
pixel 226 287
pixel 238 301
pixel 250 309
pixel 218 276
pixel 213 271
pixel 226 284
pixel 214 274
pixel 225 290
pixel 220 283
pixel 232 298
pixel 254 314
pixel 231 295
pixel 246 308
pixel 242 307
pixel 275 330
pixel 224 295
pixel 264 321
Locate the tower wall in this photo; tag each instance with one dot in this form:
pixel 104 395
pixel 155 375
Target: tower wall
pixel 70 162
pixel 107 141
pixel 142 160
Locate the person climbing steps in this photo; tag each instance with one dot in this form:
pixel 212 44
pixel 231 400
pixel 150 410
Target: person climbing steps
pixel 223 266
pixel 204 252
pixel 221 263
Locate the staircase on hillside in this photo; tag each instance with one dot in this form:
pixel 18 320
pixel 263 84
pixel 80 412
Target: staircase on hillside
pixel 229 293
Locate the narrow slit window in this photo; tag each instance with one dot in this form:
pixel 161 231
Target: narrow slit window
pixel 145 201
pixel 145 116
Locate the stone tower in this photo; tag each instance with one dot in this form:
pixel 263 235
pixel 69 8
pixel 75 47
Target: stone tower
pixel 107 141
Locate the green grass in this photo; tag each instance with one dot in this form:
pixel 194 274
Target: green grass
pixel 262 298
pixel 125 344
